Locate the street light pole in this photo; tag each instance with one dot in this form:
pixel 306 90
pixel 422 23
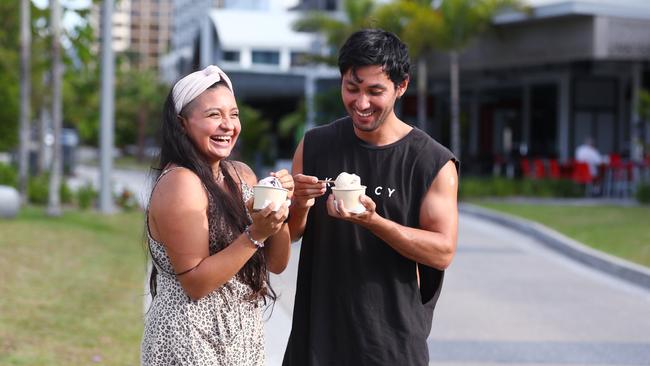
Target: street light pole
pixel 107 109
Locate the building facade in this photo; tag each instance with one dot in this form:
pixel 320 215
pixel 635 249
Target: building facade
pixel 150 31
pixel 539 85
pixel 121 25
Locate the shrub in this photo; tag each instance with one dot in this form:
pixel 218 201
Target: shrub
pixel 8 175
pixel 475 187
pixel 65 193
pixel 37 189
pixel 86 196
pixel 126 200
pixel 643 193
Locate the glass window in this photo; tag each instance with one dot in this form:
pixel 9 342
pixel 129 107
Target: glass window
pixel 299 59
pixel 266 57
pixel 232 56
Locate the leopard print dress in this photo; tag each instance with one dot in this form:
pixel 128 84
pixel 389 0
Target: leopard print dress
pixel 222 328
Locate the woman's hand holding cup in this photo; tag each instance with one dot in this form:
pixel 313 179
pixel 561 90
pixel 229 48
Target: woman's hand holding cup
pixel 267 222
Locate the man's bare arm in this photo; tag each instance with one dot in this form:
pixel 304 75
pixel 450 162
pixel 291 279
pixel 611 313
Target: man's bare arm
pixel 434 242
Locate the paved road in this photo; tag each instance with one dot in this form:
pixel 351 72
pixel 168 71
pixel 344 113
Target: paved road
pixel 508 300
pixel 136 181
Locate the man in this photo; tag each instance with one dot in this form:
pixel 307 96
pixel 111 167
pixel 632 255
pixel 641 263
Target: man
pixel 587 153
pixel 368 282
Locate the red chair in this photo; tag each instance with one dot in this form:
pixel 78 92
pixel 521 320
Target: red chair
pixel 619 176
pixel 554 169
pixel 525 168
pixel 614 159
pixel 582 175
pixel 538 168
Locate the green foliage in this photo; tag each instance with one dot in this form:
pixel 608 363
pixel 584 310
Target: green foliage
pixel 86 196
pixel 9 66
pixel 417 23
pixel 139 97
pixel 293 124
pixel 471 187
pixel 463 20
pixel 329 106
pixel 65 193
pixel 8 175
pixel 78 98
pixel 357 13
pixel 81 103
pixel 643 193
pixel 644 105
pixel 255 144
pixel 38 188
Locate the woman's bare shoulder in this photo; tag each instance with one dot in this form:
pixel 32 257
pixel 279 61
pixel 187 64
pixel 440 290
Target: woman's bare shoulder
pixel 179 187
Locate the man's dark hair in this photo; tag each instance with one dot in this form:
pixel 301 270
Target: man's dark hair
pixel 369 47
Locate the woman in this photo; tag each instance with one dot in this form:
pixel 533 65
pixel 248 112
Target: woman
pixel 211 257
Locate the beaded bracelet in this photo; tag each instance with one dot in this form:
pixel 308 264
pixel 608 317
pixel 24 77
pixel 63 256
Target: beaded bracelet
pixel 258 243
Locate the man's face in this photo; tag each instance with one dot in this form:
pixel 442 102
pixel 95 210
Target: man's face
pixel 369 96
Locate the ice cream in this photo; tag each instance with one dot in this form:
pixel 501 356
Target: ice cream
pixel 268 190
pixel 347 188
pixel 270 182
pixel 347 181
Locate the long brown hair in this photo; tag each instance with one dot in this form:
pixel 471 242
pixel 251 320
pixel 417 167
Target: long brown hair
pixel 226 204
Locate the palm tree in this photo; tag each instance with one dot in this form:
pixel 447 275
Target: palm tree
pixel 25 83
pixel 416 22
pixel 357 16
pixel 54 199
pixel 462 21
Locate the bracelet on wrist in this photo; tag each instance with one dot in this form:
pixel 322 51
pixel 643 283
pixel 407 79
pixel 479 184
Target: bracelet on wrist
pixel 257 243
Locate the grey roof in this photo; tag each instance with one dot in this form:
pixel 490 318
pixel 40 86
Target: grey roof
pixel 635 9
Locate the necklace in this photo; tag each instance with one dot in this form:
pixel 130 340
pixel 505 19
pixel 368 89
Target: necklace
pixel 219 176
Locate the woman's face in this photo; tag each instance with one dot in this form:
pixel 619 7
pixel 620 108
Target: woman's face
pixel 212 123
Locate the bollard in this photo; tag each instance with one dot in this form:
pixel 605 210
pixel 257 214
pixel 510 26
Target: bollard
pixel 9 202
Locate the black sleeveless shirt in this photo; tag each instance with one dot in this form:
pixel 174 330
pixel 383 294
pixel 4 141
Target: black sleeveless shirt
pixel 357 299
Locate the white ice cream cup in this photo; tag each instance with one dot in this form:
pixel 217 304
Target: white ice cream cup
pixel 350 198
pixel 264 195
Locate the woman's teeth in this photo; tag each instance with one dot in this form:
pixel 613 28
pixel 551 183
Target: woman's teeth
pixel 222 139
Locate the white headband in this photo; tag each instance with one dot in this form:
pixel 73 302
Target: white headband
pixel 191 86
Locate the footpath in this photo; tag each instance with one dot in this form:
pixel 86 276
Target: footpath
pixel 510 298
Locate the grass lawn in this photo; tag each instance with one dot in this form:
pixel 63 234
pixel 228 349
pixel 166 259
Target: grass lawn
pixel 620 231
pixel 71 288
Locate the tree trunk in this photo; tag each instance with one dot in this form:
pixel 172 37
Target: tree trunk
pixel 25 97
pixel 455 101
pixel 54 199
pixel 422 93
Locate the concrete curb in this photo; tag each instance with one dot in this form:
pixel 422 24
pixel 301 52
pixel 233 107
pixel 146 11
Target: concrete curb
pixel 575 250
